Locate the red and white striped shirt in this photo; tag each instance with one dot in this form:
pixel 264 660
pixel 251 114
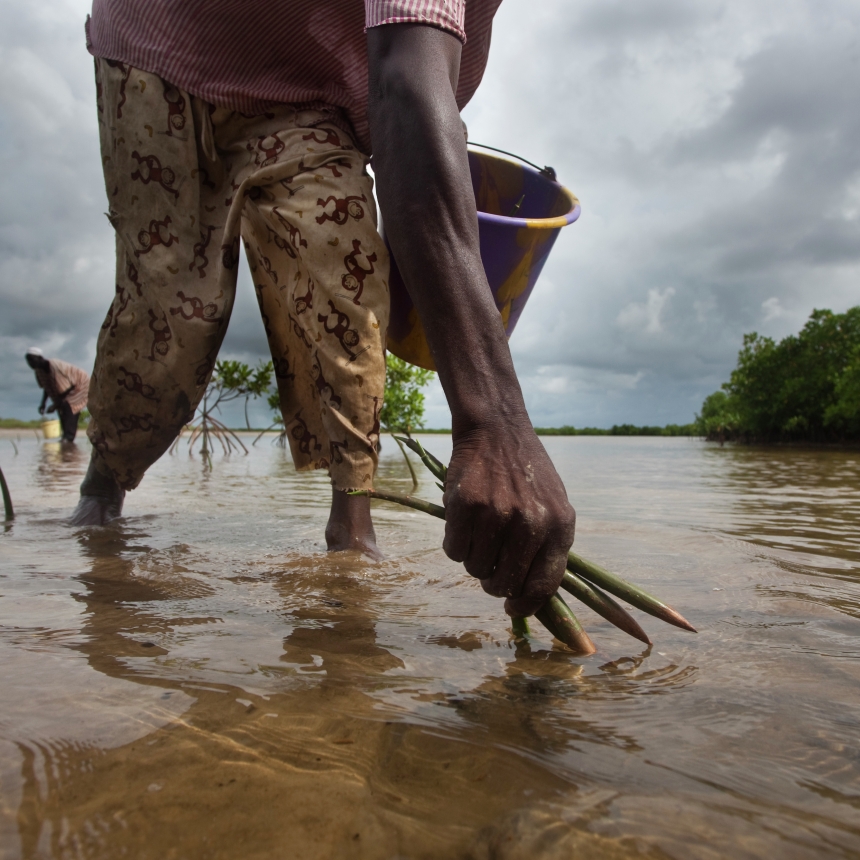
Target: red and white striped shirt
pixel 250 54
pixel 64 381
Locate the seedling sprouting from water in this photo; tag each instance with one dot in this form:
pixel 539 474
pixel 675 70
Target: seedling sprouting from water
pixel 7 499
pixel 231 380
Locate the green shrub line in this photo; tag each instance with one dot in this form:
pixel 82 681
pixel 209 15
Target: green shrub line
pixel 18 424
pixel 804 389
pixel 615 430
pixel 621 430
pixel 566 430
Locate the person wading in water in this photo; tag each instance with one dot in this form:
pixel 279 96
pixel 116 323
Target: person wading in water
pixel 223 122
pixel 67 386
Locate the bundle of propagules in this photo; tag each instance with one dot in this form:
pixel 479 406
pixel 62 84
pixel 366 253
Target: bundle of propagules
pixel 586 581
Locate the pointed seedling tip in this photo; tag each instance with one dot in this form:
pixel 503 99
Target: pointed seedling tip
pixel 678 620
pixel 603 605
pixel 640 598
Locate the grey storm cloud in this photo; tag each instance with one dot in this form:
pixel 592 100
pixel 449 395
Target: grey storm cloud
pixel 713 146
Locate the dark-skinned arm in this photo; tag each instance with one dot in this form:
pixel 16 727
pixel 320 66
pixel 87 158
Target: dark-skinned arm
pixel 508 518
pixel 42 404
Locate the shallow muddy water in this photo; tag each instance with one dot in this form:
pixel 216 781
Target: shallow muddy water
pixel 201 680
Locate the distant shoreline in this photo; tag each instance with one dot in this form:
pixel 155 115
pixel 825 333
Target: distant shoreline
pixel 18 424
pixel 615 430
pixel 15 430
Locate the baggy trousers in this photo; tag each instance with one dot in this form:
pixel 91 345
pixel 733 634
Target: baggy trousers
pixel 185 180
pixel 68 420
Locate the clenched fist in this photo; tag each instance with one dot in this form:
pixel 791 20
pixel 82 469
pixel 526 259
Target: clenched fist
pixel 507 516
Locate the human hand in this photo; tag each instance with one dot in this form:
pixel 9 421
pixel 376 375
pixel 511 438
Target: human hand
pixel 507 515
pixel 51 408
pixel 41 410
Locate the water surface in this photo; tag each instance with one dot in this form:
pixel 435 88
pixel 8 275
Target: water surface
pixel 202 680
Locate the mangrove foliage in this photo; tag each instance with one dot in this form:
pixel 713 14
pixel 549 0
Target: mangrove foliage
pixel 805 388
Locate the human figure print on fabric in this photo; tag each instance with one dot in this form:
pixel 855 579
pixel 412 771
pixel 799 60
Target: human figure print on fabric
pixel 185 181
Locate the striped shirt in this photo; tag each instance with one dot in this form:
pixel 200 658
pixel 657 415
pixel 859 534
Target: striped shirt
pixel 62 376
pixel 248 55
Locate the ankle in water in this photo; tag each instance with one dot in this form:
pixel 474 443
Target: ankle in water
pixel 350 526
pixel 101 499
pixel 100 482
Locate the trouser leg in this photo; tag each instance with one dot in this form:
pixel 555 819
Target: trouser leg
pixel 320 272
pixel 176 244
pixel 68 421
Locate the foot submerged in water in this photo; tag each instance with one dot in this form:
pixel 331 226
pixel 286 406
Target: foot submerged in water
pixel 350 526
pixel 101 500
pixel 366 546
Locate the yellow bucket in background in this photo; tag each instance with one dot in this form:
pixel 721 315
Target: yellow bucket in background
pixel 51 428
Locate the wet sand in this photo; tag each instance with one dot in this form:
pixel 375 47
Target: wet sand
pixel 202 679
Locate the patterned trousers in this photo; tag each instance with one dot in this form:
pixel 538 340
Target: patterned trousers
pixel 185 180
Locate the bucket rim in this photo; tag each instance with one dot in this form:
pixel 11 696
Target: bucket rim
pixel 535 223
pixel 554 223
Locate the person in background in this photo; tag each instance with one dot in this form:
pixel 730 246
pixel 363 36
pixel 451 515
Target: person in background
pixel 67 386
pixel 254 122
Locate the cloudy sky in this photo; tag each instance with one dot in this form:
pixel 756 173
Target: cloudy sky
pixel 713 145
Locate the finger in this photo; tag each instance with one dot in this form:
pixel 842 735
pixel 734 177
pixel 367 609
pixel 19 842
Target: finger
pixel 542 581
pixel 516 555
pixel 458 528
pixel 488 534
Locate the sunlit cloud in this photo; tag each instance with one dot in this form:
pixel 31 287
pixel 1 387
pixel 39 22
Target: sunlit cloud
pixel 645 316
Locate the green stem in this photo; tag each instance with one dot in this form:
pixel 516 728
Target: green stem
pixel 435 466
pixel 7 498
pixel 556 616
pixel 408 501
pixel 603 605
pixel 626 591
pixel 520 628
pixel 399 442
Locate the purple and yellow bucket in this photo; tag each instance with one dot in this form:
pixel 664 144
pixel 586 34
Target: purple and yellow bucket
pixel 520 213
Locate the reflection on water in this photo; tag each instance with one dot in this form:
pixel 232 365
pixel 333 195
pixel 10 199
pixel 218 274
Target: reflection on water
pixel 202 680
pixel 809 504
pixel 60 464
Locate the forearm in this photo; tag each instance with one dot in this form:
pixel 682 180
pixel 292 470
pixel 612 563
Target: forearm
pixel 506 512
pixel 428 209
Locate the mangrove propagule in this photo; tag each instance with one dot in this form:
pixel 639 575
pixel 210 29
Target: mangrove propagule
pixel 583 579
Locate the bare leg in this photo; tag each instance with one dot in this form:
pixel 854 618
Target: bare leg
pixel 101 499
pixel 350 525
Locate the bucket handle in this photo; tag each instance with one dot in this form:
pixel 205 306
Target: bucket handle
pixel 547 171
